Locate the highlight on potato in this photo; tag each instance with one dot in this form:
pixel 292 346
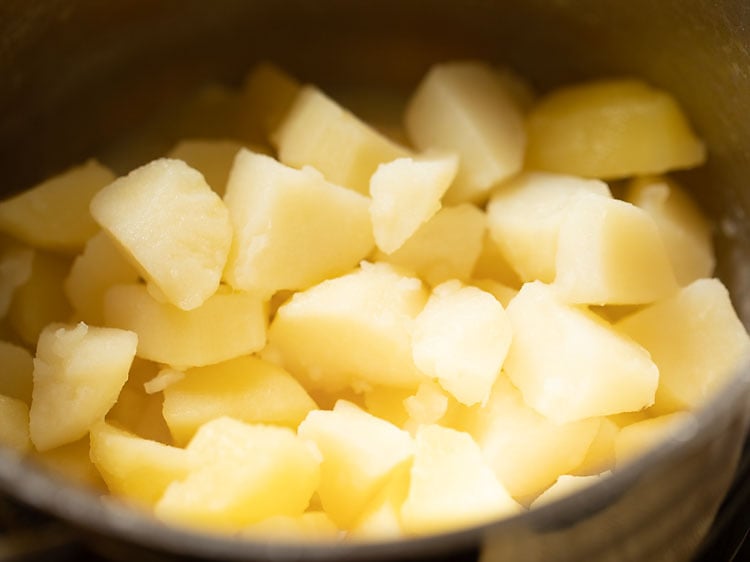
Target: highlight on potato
pixel 321 329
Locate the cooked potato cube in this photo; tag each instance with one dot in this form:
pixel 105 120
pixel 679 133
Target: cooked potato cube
pixel 601 454
pixel 227 325
pixel 388 403
pixel 54 215
pixel 16 374
pixel 318 132
pixel 292 229
pixel 565 486
pixel 451 485
pixel 72 462
pixel 267 96
pixel 15 269
pixel 359 452
pixel 14 429
pixel 406 193
pixel 351 330
pixel 381 518
pixel 247 389
pixel 524 216
pixel 212 158
pixel 245 474
pixel 557 347
pixel 464 107
pixel 502 293
pixel 461 339
pixel 696 340
pixel 635 439
pixel 611 129
pixel 173 227
pixel 428 405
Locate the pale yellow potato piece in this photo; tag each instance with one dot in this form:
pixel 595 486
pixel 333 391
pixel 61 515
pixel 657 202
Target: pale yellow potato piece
pixel 354 329
pixel 318 132
pixel 15 269
pixel 611 129
pixel 245 474
pixel 54 215
pixel 388 403
pixel 100 266
pixel 501 292
pixel 466 108
pixel 211 157
pixel 492 264
pixel 381 518
pixel 445 247
pixel 41 299
pixel 136 469
pixel 267 96
pixel 359 452
pixel 524 217
pixel 696 340
pixel 14 429
pixel 684 229
pixel 172 226
pixel 16 373
pixel 461 339
pixel 246 388
pixel 451 484
pixel 567 485
pixel 164 379
pixel 611 252
pixel 405 194
pixel 558 347
pixel 526 450
pixel 227 325
pixel 601 454
pixel 292 229
pixel 428 405
pixel 73 463
pixel 312 526
pixel 78 374
pixel 638 438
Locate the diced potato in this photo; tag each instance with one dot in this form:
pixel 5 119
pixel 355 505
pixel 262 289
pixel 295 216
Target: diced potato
pixel 461 339
pixel 565 486
pixel 41 299
pixel 247 389
pixel 134 468
pixel 381 518
pixel 524 217
pixel 558 347
pixel 101 266
pixel 164 379
pixel 14 429
pixel 15 269
pixel 245 474
pixel 388 403
pixel 16 373
pixel 288 226
pixel 526 450
pixel 601 454
pixel 451 485
pixel 611 129
pixel 685 231
pixel 227 325
pixel 492 264
pixel 635 439
pixel 73 463
pixel 445 247
pixel 352 329
pixel 406 193
pixel 173 227
pixel 312 526
pixel 696 340
pixel 465 107
pixel 359 452
pixel 611 252
pixel 501 292
pixel 212 158
pixel 318 132
pixel 267 96
pixel 427 406
pixel 54 215
pixel 78 373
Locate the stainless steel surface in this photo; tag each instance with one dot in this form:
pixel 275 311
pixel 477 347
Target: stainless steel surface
pixel 77 74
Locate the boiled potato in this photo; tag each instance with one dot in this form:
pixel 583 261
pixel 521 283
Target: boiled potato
pixel 15 269
pixel 637 438
pixel 14 430
pixel 212 158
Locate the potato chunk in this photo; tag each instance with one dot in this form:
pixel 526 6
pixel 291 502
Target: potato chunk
pixel 16 373
pixel 244 474
pixel 451 485
pixel 637 438
pixel 15 270
pixel 54 215
pixel 405 194
pixel 464 107
pixel 78 373
pixel 14 429
pixel 359 452
pixel 174 228
pixel 289 226
pixel 696 340
pixel 352 329
pixel 227 325
pixel 461 338
pixel 611 129
pixel 318 132
pixel 247 389
pixel 524 217
pixel 611 252
pixel 557 347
